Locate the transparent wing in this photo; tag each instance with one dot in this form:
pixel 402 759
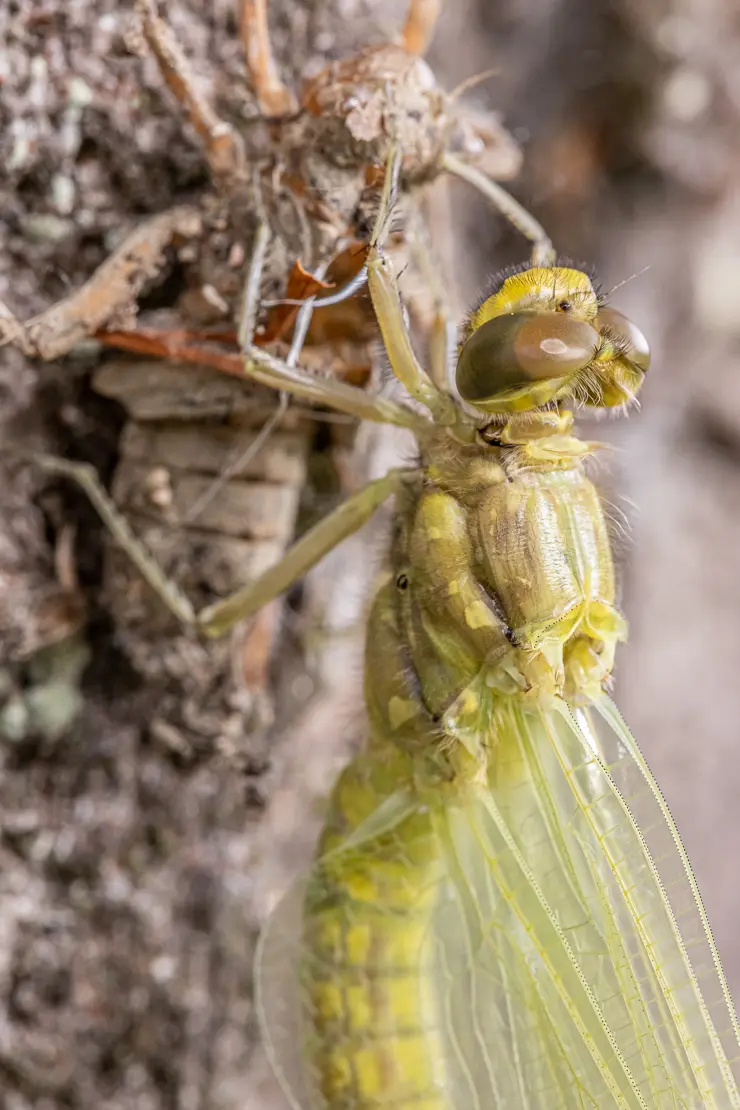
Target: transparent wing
pixel 588 978
pixel 531 942
pixel 279 997
pixel 679 930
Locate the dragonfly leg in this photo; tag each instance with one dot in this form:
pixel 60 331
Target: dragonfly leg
pixel 386 300
pixel 216 619
pixel 87 478
pixel 443 325
pixel 110 293
pixel 543 253
pixel 222 144
pixel 285 376
pixel 273 95
pixel 251 300
pixel 304 554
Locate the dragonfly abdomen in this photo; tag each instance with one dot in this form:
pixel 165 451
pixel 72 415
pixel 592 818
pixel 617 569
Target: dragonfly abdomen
pixel 377 1034
pixel 368 972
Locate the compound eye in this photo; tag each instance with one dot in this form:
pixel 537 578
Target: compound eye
pixel 635 345
pixel 512 351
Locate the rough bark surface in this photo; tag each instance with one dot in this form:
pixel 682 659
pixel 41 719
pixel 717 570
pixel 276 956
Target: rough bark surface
pixel 132 880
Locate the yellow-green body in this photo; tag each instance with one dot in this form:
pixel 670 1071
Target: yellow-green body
pixel 491 549
pixel 500 915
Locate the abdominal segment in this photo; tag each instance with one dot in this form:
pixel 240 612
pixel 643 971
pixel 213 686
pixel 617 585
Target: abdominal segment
pixel 368 972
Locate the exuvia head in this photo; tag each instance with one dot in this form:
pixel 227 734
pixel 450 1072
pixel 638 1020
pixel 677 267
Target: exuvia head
pixel 543 336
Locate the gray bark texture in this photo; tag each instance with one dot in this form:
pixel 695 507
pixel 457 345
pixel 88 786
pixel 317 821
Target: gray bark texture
pixel 146 831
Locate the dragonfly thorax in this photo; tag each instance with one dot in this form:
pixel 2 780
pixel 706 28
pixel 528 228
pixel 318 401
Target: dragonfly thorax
pixel 502 585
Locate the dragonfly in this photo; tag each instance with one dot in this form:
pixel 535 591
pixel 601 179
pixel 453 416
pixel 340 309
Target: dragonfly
pixel 500 912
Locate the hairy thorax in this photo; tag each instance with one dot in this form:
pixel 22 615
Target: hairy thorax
pixel 502 584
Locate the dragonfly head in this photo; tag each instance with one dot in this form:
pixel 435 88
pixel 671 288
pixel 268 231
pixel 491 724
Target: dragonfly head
pixel 544 336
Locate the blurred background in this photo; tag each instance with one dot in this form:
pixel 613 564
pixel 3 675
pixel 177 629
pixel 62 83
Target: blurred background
pixel 133 879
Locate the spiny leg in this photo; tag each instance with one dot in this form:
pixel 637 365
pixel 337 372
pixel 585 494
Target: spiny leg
pixel 111 291
pixel 543 253
pixel 421 19
pixel 389 311
pixel 443 329
pixel 223 615
pixel 287 377
pixel 251 299
pixel 87 478
pixel 309 550
pixel 273 95
pixel 276 373
pixel 223 146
